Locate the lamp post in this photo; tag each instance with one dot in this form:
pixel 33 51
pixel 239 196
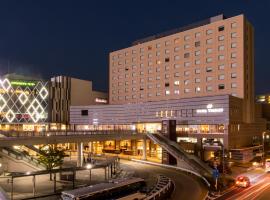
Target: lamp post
pixel 89 166
pixel 263 156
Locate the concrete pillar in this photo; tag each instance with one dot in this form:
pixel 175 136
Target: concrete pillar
pixel 79 154
pixel 144 149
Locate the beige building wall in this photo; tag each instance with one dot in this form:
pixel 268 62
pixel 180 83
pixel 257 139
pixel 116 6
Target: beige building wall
pixel 67 91
pixel 212 59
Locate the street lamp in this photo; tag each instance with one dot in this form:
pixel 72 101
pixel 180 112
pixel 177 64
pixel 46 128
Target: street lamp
pixel 89 166
pixel 263 136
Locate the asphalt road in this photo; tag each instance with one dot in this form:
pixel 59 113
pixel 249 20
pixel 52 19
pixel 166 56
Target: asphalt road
pixel 259 189
pixel 187 187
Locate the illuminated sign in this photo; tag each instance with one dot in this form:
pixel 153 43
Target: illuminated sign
pixel 209 109
pixel 22 83
pixel 98 100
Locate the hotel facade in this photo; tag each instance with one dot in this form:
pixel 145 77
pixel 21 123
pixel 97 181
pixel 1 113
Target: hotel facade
pixel 201 76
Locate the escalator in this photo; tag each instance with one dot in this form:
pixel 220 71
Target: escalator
pixel 21 156
pixel 181 156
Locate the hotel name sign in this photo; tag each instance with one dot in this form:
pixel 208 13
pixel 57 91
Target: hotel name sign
pixel 209 109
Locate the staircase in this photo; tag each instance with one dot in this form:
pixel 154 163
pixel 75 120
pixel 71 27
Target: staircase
pixel 179 153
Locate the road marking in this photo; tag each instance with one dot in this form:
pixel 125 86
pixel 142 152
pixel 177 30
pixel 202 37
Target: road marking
pixel 259 193
pixel 255 191
pixel 247 189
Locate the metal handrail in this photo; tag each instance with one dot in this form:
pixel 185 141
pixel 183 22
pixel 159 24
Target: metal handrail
pixel 162 189
pixel 20 134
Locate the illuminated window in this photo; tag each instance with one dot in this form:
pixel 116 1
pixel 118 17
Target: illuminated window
pixel 221 77
pixel 186 46
pixel 186 73
pixel 176 82
pixel 209 41
pixel 233 65
pixel 208 60
pixel 209 78
pixel 233 85
pixel 197 80
pixel 233 35
pixel 233 45
pixel 197 89
pixel 221 57
pixel 233 75
pixel 209 31
pixel 177 57
pixel 234 25
pixel 221 67
pixel 177 74
pixel 167 43
pixel 198 34
pixel 197 62
pixel 209 50
pixel 186 82
pixel 186 90
pixel 221 38
pixel 197 53
pixel 209 88
pixel 176 66
pixel 221 48
pixel 233 55
pixel 187 37
pixel 186 64
pixel 176 92
pixel 197 71
pixel 167 92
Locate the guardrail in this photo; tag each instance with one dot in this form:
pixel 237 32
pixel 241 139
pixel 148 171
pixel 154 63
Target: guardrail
pixel 176 168
pixel 17 134
pixel 162 190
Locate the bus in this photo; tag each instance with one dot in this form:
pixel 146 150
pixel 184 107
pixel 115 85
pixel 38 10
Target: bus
pixel 109 190
pixel 267 165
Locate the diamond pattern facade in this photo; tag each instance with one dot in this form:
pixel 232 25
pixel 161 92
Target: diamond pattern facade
pixel 23 101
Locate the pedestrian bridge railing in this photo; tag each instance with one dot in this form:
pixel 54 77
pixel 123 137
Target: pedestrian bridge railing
pixel 62 133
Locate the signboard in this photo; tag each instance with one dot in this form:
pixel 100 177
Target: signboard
pixel 209 109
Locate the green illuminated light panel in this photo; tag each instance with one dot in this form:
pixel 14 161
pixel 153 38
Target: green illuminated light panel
pixel 22 83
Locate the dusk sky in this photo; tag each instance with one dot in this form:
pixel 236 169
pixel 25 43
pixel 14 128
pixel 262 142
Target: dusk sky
pixel 74 38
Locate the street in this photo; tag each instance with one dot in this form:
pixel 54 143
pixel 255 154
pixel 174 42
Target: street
pixel 259 189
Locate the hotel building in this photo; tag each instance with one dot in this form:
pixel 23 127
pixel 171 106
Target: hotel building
pixel 201 76
pixel 211 57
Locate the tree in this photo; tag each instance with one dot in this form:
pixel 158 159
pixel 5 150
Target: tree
pixel 52 157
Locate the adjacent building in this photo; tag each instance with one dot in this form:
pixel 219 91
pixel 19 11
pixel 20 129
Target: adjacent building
pixel 67 91
pixel 34 104
pixel 24 103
